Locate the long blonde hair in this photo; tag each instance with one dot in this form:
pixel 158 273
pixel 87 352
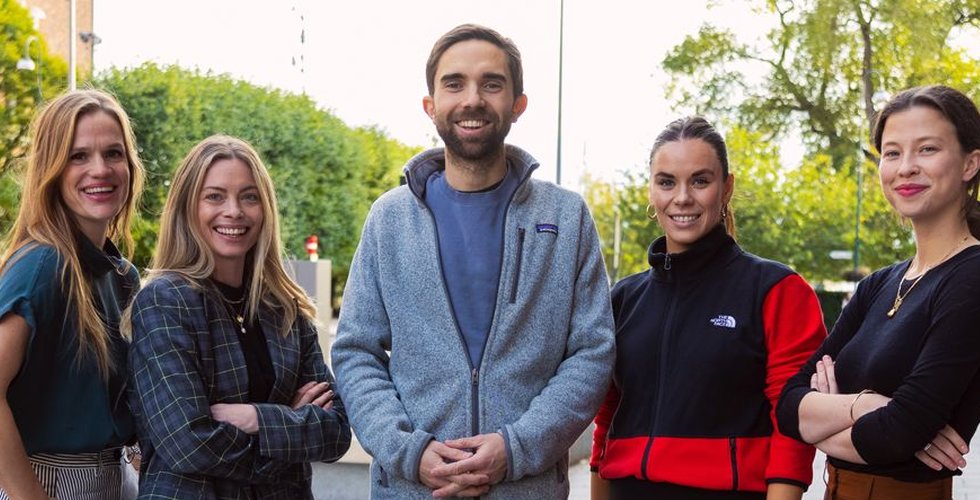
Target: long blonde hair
pixel 45 219
pixel 182 249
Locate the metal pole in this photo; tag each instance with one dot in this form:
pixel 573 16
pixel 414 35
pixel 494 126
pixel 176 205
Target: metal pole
pixel 857 219
pixel 72 45
pixel 561 57
pixel 617 238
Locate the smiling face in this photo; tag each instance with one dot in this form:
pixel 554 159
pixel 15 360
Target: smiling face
pixel 229 213
pixel 688 189
pixel 923 169
pixel 473 102
pixel 94 184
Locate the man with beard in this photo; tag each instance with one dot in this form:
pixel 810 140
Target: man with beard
pixel 475 341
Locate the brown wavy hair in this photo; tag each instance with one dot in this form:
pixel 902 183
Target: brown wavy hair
pixel 465 32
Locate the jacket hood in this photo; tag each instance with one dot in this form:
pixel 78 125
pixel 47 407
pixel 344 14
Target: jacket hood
pixel 422 165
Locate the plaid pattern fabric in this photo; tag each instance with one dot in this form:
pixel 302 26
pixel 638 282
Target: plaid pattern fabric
pixel 186 356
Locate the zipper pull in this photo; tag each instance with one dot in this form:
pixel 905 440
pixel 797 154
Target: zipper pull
pixel 475 376
pixel 667 262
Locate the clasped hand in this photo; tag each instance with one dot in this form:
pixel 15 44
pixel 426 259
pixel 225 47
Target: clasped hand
pixel 464 467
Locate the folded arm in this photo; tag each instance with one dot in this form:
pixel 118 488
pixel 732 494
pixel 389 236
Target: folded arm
pixel 310 432
pixel 169 388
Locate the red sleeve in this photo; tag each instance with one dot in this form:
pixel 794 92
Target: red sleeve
pixel 602 421
pixel 794 328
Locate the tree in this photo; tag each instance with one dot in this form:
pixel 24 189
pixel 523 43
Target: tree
pixel 621 207
pixel 824 64
pixel 382 162
pixel 798 216
pixel 326 174
pixel 21 92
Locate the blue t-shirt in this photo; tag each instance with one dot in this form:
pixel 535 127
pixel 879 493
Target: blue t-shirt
pixel 58 404
pixel 471 243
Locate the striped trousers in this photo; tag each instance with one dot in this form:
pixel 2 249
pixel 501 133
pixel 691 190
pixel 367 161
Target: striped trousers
pixel 82 476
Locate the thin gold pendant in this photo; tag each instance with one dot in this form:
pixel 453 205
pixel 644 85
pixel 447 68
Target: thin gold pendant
pixel 899 296
pixel 895 306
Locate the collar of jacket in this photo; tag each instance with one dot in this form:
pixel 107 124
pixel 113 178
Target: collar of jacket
pixel 424 164
pixel 710 252
pixel 96 262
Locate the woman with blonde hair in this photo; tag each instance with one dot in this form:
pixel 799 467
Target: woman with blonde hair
pixel 63 284
pixel 230 391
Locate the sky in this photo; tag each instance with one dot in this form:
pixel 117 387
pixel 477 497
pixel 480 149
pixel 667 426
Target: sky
pixel 365 61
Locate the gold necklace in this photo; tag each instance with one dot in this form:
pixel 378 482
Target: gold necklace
pixel 900 297
pixel 239 316
pixel 234 302
pixel 234 312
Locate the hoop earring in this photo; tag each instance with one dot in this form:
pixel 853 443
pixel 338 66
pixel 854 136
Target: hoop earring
pixel 651 212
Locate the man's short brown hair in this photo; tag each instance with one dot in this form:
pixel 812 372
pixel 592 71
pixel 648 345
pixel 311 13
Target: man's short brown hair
pixel 466 32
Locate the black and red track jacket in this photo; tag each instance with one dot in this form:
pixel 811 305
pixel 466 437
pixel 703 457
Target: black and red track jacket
pixel 705 341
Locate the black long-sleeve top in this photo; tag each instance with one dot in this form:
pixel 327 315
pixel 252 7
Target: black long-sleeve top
pixel 926 358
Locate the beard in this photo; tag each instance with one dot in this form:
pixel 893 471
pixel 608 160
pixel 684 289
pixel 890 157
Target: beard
pixel 477 149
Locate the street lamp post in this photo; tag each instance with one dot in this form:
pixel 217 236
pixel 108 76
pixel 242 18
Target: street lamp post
pixel 857 220
pixel 72 45
pixel 25 63
pixel 878 99
pixel 561 57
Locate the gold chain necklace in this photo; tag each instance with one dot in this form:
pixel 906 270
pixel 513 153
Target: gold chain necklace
pixel 235 308
pixel 239 316
pixel 900 297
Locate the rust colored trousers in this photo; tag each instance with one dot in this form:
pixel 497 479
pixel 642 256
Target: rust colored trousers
pixel 847 485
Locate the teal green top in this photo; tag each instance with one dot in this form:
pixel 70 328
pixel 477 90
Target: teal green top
pixel 61 405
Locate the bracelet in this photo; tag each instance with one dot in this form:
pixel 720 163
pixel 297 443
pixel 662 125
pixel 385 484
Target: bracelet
pixel 855 400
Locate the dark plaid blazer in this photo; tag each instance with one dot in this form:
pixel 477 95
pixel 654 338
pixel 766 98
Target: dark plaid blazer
pixel 186 356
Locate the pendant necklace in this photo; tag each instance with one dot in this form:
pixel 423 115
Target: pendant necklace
pixel 240 318
pixel 236 308
pixel 900 297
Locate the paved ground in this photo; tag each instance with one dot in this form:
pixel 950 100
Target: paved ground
pixel 965 487
pixel 343 481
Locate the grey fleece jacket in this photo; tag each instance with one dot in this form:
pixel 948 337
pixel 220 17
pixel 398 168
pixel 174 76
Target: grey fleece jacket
pixel 401 363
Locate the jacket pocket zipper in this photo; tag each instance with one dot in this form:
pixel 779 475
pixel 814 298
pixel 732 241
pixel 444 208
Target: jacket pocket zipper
pixel 517 268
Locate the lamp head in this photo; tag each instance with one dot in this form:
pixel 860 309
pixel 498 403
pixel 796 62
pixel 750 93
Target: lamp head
pixel 26 64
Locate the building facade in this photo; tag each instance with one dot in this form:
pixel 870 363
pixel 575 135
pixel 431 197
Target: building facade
pixel 52 20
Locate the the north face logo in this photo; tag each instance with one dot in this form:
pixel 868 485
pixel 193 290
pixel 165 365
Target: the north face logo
pixel 723 320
